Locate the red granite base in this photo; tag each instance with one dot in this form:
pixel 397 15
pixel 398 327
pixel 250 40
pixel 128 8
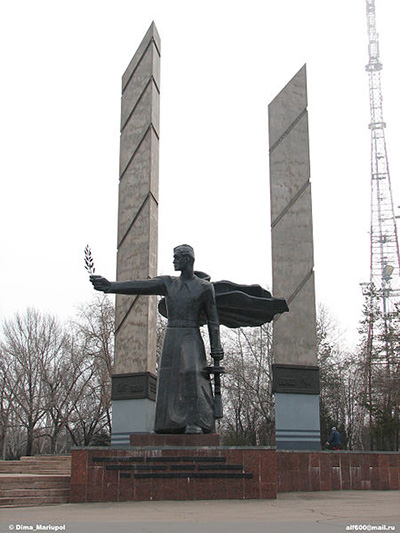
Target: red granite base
pixel 178 471
pixel 315 471
pixel 172 473
pixel 181 439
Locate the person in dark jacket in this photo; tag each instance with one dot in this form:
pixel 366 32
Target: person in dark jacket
pixel 334 440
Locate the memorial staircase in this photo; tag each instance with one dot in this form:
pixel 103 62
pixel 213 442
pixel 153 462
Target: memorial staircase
pixel 37 480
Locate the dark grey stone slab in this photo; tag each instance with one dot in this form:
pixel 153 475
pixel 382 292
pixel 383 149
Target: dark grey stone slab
pixel 134 386
pixel 295 379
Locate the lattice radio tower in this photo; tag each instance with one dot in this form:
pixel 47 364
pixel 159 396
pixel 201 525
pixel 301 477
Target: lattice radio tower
pixel 385 257
pixel 383 289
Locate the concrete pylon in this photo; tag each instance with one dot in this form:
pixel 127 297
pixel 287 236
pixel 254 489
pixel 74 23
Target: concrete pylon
pixel 134 382
pixel 295 372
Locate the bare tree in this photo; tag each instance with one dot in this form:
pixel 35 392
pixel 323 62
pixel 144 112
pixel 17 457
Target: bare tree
pixel 341 378
pixel 331 383
pixel 56 381
pixel 5 408
pixel 31 343
pixel 87 415
pixel 60 384
pixel 379 362
pixel 248 403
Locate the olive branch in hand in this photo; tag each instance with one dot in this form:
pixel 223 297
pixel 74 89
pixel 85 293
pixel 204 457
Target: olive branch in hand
pixel 89 263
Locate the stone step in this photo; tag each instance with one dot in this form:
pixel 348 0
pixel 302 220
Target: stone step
pixel 37 470
pixel 33 501
pixel 13 482
pixel 36 480
pixel 32 490
pixel 42 464
pixel 45 457
pixel 47 464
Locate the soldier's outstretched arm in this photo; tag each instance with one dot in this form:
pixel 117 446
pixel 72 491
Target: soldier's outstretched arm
pixel 145 286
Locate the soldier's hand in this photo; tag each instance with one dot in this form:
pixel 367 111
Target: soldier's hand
pixel 100 283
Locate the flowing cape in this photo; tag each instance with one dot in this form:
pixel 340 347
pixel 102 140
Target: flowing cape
pixel 240 305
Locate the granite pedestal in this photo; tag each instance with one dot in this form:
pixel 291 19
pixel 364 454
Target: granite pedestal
pixel 173 467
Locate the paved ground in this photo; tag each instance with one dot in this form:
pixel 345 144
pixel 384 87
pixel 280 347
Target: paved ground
pixel 301 512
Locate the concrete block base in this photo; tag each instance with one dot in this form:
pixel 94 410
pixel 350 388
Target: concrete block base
pixel 297 421
pixel 131 416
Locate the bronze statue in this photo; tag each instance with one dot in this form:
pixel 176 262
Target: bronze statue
pixel 185 401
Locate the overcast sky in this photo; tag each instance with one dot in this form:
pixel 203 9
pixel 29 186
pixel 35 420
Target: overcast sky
pixel 222 62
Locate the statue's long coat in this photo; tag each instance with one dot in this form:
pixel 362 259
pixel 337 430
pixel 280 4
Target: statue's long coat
pixel 184 394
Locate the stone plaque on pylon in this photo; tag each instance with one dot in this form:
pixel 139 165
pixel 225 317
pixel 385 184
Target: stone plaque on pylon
pixel 133 387
pixel 295 372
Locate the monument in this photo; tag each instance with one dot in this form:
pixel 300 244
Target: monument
pixel 134 382
pixel 184 459
pixel 295 372
pixel 185 402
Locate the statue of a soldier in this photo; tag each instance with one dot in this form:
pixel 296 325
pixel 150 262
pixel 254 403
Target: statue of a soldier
pixel 185 401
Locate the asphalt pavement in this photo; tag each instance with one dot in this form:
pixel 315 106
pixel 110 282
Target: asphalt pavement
pixel 300 512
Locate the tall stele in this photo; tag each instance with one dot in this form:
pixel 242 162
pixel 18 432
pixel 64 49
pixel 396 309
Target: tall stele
pixel 295 372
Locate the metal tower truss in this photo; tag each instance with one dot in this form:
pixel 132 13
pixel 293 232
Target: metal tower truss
pixel 385 257
pixel 381 363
